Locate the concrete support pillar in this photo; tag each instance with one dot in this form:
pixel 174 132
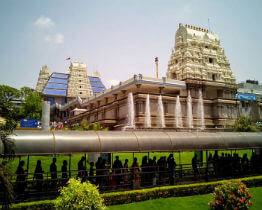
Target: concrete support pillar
pixel 45 115
pixel 93 157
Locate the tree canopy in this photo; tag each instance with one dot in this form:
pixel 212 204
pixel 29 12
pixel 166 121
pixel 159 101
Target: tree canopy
pixel 7 94
pixel 244 124
pixel 31 99
pixel 32 107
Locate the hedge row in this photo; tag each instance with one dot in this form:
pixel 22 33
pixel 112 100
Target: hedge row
pixel 123 197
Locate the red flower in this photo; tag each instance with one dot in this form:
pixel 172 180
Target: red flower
pixel 241 190
pixel 239 204
pixel 241 201
pixel 232 201
pixel 251 203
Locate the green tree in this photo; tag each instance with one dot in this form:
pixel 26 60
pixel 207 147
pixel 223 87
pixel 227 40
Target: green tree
pixel 244 124
pixel 7 109
pixel 6 128
pixel 32 106
pixel 79 195
pixel 25 91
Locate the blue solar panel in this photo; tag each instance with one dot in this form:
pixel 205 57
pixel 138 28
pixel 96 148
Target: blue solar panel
pixel 63 76
pixel 58 80
pixel 94 84
pixel 98 90
pixel 56 86
pixel 94 79
pixel 54 92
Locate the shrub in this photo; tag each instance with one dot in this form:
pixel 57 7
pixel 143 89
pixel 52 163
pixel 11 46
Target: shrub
pixel 245 124
pixel 79 195
pixel 231 195
pixel 122 197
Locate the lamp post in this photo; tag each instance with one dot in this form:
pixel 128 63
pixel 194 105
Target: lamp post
pixel 156 61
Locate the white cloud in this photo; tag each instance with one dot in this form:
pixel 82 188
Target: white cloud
pixel 44 22
pixel 48 38
pixel 188 8
pixel 56 39
pixel 109 83
pixel 59 38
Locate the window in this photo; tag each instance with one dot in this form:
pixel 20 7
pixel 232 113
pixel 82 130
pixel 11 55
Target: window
pixel 63 102
pixel 213 77
pixel 80 80
pixel 174 76
pixel 80 92
pixel 210 60
pixel 80 86
pixel 51 100
pixel 176 61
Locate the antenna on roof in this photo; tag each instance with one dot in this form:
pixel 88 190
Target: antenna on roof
pixel 208 24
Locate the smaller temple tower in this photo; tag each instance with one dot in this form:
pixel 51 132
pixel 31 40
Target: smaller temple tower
pixel 78 84
pixel 43 77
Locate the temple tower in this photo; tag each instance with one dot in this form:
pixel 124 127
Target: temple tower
pixel 197 55
pixel 78 84
pixel 43 77
pixel 198 59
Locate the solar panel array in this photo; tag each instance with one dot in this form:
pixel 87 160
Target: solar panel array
pixel 62 76
pixel 96 85
pixel 64 81
pixel 54 92
pixel 57 85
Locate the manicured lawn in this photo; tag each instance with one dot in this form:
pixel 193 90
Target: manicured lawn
pixel 186 158
pixel 199 202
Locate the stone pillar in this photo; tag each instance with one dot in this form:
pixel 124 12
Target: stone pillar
pixel 45 115
pixel 93 157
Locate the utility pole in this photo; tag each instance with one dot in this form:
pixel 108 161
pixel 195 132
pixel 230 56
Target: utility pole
pixel 156 61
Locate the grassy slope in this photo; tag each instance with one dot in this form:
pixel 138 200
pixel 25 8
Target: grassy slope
pixel 186 158
pixel 199 202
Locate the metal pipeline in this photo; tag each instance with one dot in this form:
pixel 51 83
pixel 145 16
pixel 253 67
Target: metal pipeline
pixel 61 142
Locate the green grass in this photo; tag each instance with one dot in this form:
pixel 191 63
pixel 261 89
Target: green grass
pixel 185 157
pixel 199 202
pixel 46 161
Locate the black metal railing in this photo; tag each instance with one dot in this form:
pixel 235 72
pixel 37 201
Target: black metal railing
pixel 33 186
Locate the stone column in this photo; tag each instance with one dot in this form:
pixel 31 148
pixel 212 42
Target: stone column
pixel 45 115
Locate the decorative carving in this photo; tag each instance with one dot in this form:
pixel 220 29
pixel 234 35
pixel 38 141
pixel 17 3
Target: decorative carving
pixel 43 77
pixel 207 55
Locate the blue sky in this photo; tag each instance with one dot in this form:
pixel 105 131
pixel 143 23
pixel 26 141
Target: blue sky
pixel 120 38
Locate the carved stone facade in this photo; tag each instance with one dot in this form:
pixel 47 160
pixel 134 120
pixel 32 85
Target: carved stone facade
pixel 198 55
pixel 78 84
pixel 43 77
pixel 198 59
